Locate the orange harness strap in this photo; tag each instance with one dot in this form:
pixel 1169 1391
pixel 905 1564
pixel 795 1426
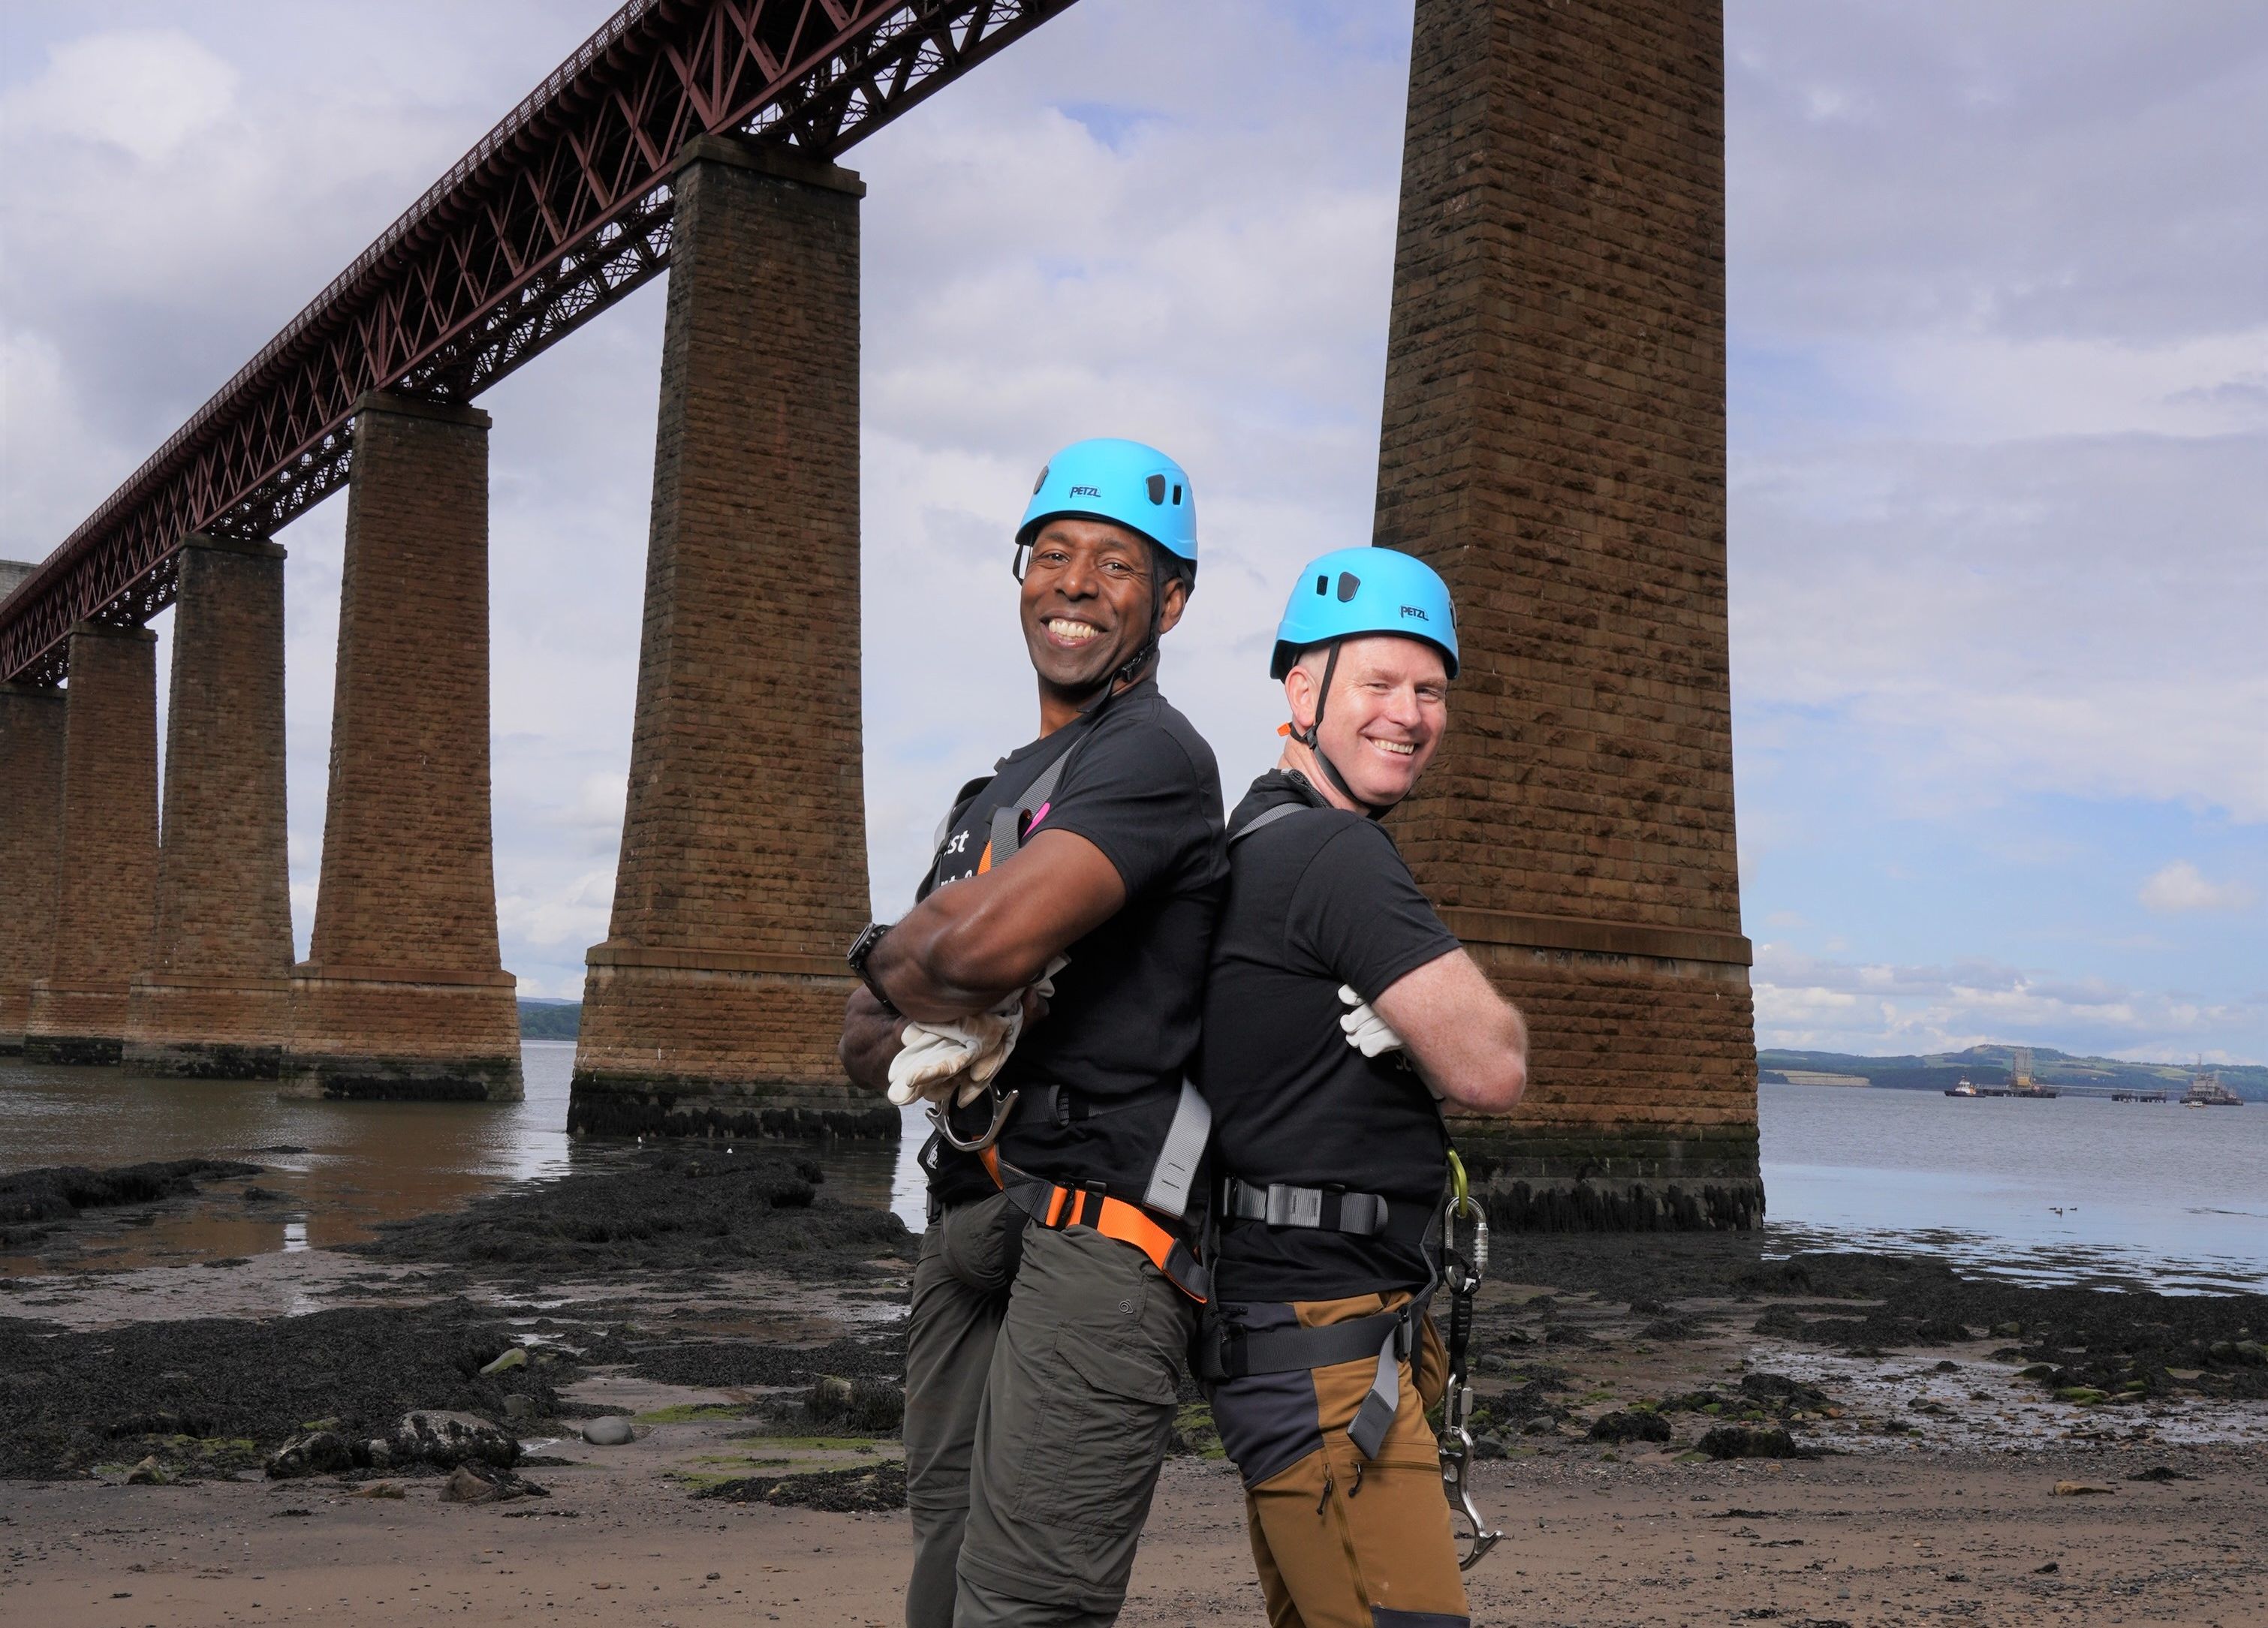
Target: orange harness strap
pixel 1056 1207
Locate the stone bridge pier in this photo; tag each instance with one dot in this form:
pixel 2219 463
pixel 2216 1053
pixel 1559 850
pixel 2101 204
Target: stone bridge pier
pixel 1554 443
pixel 106 865
pixel 404 993
pixel 30 835
pixel 714 1004
pixel 216 1000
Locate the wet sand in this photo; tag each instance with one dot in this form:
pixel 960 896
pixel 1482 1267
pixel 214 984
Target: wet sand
pixel 1917 1538
pixel 709 1300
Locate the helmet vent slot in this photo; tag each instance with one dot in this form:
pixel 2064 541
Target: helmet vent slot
pixel 1322 587
pixel 1349 585
pixel 1157 484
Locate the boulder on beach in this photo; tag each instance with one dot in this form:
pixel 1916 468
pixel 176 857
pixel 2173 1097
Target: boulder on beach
pixel 1732 1442
pixel 449 1439
pixel 317 1453
pixel 467 1485
pixel 610 1430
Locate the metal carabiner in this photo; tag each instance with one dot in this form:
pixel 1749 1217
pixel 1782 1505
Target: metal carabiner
pixel 1002 1107
pixel 1456 1457
pixel 1463 1274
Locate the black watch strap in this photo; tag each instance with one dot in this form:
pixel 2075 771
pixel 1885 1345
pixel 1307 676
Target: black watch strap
pixel 863 947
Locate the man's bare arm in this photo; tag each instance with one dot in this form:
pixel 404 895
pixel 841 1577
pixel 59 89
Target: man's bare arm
pixel 1466 1038
pixel 968 947
pixel 871 1038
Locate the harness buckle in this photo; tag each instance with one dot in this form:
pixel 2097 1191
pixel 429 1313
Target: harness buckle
pixel 1002 1107
pixel 1293 1207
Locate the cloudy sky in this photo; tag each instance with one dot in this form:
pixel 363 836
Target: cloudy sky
pixel 2000 434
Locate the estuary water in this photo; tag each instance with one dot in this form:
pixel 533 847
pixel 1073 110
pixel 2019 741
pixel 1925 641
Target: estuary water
pixel 2073 1191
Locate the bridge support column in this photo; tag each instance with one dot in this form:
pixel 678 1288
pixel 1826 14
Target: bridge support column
pixel 216 999
pixel 1554 443
pixel 714 1004
pixel 107 856
pixel 31 814
pixel 404 995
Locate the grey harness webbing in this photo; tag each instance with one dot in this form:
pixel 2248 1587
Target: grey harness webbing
pixel 1268 816
pixel 1280 1204
pixel 1176 1174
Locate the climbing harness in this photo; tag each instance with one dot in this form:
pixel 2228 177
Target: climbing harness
pixel 1462 1272
pixel 1054 1205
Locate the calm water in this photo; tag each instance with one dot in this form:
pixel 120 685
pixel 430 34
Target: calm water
pixel 2070 1189
pixel 2073 1190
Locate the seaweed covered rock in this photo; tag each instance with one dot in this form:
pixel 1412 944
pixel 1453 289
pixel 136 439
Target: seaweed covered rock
pixel 692 1207
pixel 1630 1425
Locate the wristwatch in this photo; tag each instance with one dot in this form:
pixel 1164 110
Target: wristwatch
pixel 861 948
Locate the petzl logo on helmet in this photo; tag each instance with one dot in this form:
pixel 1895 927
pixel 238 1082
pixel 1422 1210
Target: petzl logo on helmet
pixel 1411 610
pixel 1087 491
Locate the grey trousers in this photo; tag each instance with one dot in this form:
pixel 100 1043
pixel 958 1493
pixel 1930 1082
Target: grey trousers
pixel 1039 1401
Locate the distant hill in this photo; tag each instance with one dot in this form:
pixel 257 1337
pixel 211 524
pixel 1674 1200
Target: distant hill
pixel 550 1020
pixel 1988 1065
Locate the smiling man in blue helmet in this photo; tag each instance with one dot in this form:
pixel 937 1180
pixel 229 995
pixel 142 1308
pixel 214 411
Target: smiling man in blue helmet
pixel 1044 993
pixel 1340 1014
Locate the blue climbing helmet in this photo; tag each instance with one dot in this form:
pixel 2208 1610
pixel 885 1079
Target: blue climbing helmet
pixel 1347 594
pixel 1125 482
pixel 1353 591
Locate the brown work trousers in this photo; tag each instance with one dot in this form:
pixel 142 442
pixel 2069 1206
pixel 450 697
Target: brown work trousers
pixel 1040 1397
pixel 1342 1542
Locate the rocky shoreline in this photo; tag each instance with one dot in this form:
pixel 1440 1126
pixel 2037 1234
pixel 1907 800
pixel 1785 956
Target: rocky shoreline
pixel 740 1331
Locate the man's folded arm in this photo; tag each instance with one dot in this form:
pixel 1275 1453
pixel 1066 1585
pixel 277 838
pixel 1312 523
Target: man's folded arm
pixel 1467 1039
pixel 968 946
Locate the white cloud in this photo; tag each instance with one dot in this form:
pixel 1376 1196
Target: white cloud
pixel 144 91
pixel 1814 1003
pixel 2181 886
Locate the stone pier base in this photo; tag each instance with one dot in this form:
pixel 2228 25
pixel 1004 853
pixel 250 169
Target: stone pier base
pixel 238 1023
pixel 371 1036
pixel 748 1054
pixel 77 1024
pixel 1546 1178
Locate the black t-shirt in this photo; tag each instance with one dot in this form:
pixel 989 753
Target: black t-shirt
pixel 1141 785
pixel 1316 899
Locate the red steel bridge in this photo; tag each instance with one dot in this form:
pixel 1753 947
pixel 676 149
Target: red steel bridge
pixel 556 214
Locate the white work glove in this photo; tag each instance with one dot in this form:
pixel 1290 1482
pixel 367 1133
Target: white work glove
pixel 1366 1031
pixel 969 1049
pixel 1373 1037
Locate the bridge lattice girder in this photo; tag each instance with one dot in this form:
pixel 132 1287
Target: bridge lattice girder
pixel 560 210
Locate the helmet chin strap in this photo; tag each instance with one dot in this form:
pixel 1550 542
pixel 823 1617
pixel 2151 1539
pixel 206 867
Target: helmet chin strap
pixel 1311 738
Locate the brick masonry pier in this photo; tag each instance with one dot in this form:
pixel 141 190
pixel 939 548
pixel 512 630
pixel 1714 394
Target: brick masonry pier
pixel 106 855
pixel 404 993
pixel 216 999
pixel 1554 443
pixel 31 816
pixel 714 1004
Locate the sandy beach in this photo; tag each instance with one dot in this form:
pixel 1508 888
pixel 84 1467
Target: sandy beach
pixel 748 1329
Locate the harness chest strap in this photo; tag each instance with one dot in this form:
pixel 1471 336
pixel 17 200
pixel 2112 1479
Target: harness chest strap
pixel 1055 1207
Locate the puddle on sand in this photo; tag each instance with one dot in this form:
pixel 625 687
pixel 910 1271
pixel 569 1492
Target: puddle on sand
pixel 331 1171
